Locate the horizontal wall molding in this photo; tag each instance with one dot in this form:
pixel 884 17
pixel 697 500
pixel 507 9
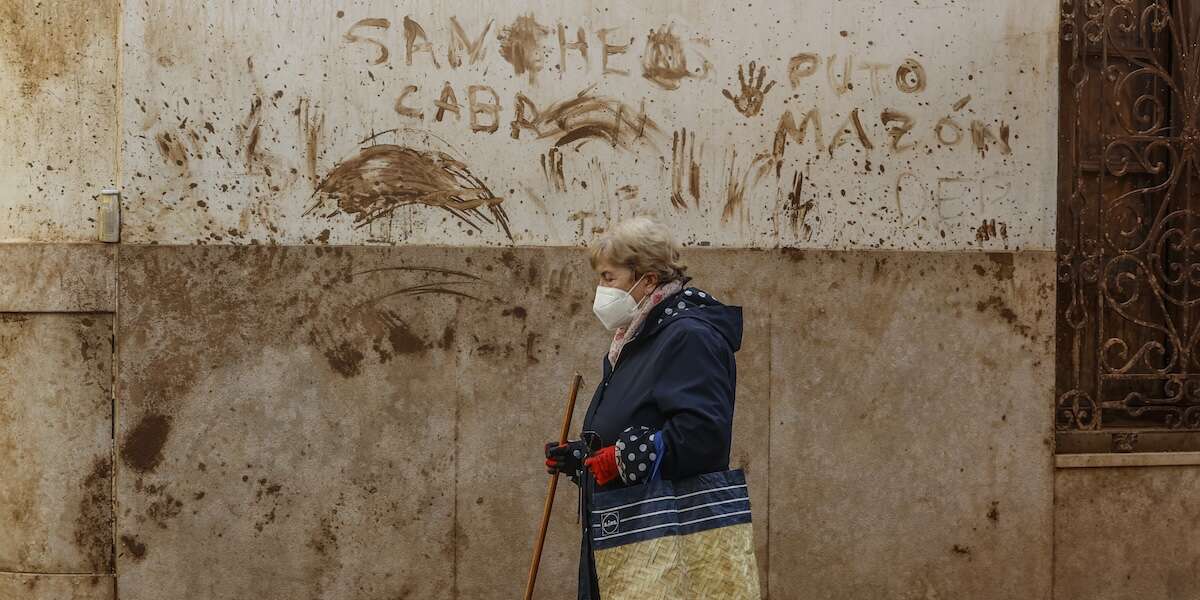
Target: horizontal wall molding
pixel 1131 459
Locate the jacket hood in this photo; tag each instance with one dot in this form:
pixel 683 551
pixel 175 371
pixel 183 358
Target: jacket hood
pixel 694 303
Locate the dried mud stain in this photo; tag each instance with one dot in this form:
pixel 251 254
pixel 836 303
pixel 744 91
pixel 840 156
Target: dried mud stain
pixel 94 523
pixel 142 450
pixel 45 42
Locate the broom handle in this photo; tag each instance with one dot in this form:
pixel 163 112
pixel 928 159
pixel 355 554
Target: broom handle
pixel 550 489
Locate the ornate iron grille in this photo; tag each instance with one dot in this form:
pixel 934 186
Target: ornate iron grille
pixel 1128 225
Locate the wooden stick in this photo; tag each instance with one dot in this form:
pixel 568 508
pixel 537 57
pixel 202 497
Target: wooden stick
pixel 550 489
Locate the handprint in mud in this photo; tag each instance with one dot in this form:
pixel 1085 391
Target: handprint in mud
pixel 749 102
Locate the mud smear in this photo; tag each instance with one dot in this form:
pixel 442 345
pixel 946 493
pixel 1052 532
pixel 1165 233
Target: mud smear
pixel 312 124
pixel 143 446
pixel 796 209
pixel 585 117
pixel 521 45
pixel 382 178
pixel 739 179
pixel 552 168
pixel 251 132
pixel 664 61
pixel 684 165
pixel 354 329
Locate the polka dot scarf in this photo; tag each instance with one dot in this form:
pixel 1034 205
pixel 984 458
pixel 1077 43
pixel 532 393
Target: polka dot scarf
pixel 630 331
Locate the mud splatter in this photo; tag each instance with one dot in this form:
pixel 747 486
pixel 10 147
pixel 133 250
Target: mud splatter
pixel 584 117
pixel 172 150
pixel 134 548
pixel 324 540
pixel 93 533
pixel 345 359
pixel 997 304
pixel 143 446
pixel 379 179
pixel 163 507
pixel 521 45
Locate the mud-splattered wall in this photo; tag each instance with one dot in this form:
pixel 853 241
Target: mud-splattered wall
pixel 58 116
pixel 857 124
pixel 309 421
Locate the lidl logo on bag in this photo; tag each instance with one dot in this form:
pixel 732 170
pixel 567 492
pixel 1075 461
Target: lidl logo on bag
pixel 610 523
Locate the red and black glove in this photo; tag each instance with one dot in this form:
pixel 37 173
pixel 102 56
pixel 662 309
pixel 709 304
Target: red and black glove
pixel 566 458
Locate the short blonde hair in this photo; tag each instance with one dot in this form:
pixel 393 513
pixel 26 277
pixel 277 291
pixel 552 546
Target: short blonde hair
pixel 643 245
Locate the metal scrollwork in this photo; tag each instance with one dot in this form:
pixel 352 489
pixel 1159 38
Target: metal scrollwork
pixel 1128 266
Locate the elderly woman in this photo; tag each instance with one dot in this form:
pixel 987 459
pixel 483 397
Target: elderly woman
pixel 665 405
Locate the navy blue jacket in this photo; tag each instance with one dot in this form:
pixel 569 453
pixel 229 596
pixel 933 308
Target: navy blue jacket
pixel 676 376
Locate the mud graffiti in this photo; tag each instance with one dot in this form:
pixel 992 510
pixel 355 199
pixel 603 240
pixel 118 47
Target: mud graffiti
pixel 415 41
pixel 582 118
pixel 841 74
pixel 664 61
pixel 381 50
pixel 946 133
pixel 521 46
pixel 459 42
pixel 382 178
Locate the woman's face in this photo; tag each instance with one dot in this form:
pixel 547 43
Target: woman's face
pixel 622 277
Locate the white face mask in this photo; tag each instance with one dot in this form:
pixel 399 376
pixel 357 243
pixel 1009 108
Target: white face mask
pixel 615 307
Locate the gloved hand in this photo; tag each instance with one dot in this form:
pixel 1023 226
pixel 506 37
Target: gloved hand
pixel 566 458
pixel 632 458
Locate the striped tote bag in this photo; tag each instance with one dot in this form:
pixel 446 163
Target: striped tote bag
pixel 689 539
